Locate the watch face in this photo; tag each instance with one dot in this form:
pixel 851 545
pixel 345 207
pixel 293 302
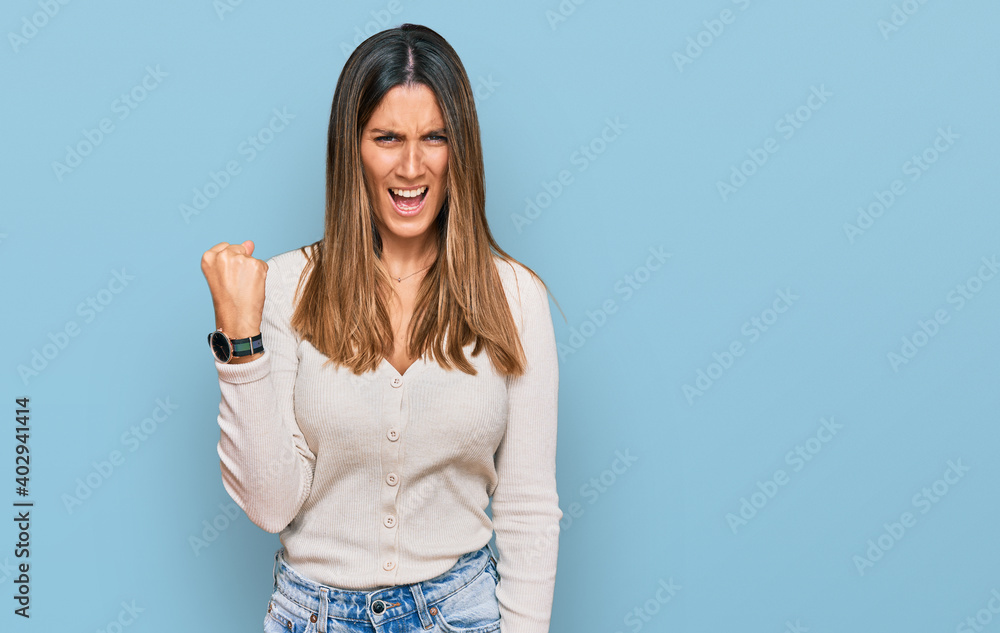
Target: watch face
pixel 220 346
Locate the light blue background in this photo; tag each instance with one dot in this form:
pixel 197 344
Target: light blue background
pixel 555 85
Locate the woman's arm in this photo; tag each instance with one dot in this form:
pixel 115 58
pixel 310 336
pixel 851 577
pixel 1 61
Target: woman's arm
pixel 267 467
pixel 525 503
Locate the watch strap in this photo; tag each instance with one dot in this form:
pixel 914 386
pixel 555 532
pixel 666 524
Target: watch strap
pixel 247 346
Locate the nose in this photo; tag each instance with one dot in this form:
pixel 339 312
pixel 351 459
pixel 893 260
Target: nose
pixel 411 161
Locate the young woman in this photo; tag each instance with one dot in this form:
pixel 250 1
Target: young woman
pixel 382 384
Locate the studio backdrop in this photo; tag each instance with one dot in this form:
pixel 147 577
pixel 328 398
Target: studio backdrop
pixel 771 229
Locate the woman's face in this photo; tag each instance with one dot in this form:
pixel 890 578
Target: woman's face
pixel 404 147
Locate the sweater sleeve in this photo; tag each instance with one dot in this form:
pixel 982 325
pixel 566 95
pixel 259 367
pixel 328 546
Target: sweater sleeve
pixel 267 466
pixel 525 503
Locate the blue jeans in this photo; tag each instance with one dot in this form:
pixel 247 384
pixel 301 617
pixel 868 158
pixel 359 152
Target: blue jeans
pixel 461 600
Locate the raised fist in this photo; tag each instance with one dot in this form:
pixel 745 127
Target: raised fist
pixel 236 281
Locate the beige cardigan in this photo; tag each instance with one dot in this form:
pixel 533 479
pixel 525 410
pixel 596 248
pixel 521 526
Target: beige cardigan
pixel 381 479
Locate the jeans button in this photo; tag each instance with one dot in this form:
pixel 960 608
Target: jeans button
pixel 378 606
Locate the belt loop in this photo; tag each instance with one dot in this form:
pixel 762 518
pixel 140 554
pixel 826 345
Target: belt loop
pixel 418 598
pixel 324 603
pixel 492 552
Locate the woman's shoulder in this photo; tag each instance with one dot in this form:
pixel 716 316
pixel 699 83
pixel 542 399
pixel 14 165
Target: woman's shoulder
pixel 513 274
pixel 520 284
pixel 511 270
pixel 285 269
pixel 288 266
pixel 292 261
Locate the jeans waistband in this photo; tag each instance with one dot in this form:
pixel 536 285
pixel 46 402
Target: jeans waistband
pixel 395 601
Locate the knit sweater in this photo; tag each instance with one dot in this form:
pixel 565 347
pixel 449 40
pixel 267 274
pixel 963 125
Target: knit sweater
pixel 383 479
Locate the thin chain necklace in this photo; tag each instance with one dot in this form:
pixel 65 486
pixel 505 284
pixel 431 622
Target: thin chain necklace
pixel 400 279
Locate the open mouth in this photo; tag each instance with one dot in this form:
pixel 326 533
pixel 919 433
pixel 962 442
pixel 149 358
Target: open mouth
pixel 408 201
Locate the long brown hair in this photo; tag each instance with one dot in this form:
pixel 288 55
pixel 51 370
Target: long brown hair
pixel 343 307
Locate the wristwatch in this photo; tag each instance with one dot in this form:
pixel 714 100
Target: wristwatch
pixel 225 348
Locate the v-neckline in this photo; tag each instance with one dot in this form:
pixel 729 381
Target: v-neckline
pixel 409 370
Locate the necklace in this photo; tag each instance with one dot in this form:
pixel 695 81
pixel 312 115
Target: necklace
pixel 400 279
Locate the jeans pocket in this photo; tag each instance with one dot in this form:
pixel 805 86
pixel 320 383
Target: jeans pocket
pixel 284 616
pixel 492 568
pixel 471 609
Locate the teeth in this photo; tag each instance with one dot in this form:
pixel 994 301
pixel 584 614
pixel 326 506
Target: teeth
pixel 408 193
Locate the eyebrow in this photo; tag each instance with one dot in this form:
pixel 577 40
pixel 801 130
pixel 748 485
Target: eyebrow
pixel 437 131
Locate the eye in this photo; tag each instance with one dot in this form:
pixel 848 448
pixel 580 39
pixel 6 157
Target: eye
pixel 389 138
